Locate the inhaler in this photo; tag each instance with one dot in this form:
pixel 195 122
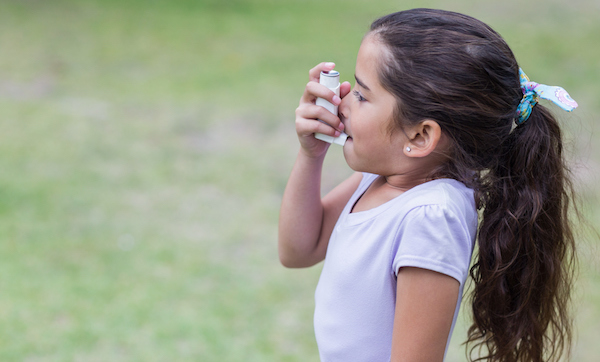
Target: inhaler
pixel 331 80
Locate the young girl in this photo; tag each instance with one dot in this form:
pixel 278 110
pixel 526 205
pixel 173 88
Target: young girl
pixel 441 123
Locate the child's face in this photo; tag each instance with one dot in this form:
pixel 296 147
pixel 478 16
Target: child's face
pixel 367 114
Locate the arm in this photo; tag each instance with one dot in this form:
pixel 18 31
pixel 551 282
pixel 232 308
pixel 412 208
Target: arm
pixel 425 306
pixel 306 221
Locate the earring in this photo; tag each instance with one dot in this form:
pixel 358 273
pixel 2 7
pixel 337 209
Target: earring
pixel 407 149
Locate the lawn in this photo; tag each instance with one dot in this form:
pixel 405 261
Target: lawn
pixel 144 149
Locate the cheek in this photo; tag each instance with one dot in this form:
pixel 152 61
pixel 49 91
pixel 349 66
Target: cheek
pixel 361 145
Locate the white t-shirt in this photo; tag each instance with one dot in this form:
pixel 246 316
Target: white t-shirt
pixel 431 226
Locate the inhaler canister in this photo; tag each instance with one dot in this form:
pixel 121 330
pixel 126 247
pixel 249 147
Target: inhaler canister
pixel 331 80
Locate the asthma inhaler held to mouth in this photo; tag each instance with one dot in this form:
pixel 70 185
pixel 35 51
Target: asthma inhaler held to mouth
pixel 331 80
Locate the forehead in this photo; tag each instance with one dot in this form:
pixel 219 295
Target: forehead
pixel 368 59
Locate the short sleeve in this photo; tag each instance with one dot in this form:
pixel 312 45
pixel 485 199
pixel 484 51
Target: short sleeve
pixel 433 237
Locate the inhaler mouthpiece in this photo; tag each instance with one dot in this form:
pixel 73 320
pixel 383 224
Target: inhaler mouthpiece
pixel 331 80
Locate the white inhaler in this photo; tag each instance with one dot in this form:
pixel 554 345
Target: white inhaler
pixel 331 80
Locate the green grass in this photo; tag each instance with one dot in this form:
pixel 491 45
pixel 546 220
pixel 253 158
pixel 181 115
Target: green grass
pixel 145 147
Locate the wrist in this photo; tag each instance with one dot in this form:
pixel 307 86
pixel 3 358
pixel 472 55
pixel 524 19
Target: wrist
pixel 312 157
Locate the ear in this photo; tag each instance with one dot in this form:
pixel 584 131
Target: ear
pixel 423 139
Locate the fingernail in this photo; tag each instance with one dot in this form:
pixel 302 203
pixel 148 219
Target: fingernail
pixel 337 133
pixel 336 100
pixel 330 64
pixel 342 127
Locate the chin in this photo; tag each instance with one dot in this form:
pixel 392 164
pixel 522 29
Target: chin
pixel 355 165
pixel 353 162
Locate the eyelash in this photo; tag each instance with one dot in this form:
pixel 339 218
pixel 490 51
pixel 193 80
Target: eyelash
pixel 358 96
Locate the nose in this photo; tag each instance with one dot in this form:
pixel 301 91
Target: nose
pixel 343 109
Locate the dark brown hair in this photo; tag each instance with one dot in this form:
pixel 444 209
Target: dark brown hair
pixel 456 70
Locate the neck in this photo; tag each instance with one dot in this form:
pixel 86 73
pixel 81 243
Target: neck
pixel 415 171
pixel 403 182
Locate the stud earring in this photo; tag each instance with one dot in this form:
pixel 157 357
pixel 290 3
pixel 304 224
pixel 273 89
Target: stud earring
pixel 407 149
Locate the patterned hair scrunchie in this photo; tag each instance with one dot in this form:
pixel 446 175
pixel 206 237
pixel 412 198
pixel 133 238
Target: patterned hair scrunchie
pixel 532 91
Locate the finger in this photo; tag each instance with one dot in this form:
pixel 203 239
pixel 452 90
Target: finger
pixel 307 127
pixel 315 72
pixel 315 90
pixel 319 114
pixel 345 88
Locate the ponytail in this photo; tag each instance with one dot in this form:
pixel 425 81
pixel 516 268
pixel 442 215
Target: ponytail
pixel 524 268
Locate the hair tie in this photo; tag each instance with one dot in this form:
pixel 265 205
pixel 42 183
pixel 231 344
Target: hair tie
pixel 532 91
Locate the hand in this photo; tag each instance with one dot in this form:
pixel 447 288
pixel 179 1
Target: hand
pixel 308 113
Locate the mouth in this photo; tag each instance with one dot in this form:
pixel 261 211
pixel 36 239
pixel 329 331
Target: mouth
pixel 346 129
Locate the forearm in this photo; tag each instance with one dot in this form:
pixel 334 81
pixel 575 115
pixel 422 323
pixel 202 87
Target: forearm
pixel 301 215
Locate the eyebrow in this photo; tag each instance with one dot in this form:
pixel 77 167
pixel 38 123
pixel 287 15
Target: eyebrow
pixel 361 83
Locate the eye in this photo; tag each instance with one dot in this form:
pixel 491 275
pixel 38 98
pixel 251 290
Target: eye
pixel 358 96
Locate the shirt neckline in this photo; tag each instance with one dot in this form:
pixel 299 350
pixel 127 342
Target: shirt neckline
pixel 362 216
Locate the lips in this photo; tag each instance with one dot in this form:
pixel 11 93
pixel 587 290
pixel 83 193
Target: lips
pixel 347 130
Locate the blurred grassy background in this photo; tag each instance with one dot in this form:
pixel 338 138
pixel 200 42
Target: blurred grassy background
pixel 144 148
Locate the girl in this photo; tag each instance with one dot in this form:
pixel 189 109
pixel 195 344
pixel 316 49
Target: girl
pixel 441 123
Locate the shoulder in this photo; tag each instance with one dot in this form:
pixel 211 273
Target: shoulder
pixel 438 228
pixel 447 195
